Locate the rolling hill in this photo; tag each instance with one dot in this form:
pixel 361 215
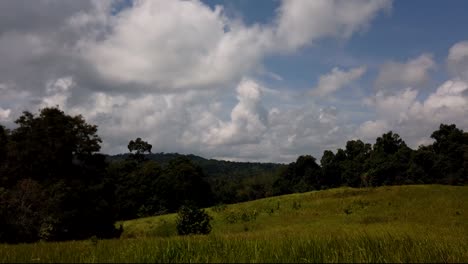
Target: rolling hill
pixel 414 223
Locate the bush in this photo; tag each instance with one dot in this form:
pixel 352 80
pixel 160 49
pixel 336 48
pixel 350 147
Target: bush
pixel 191 220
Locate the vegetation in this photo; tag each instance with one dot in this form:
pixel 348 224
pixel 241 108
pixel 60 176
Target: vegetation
pixel 192 220
pixel 231 182
pixel 55 186
pixel 418 223
pixel 388 162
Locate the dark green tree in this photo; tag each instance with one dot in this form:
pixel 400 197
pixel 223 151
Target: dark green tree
pixel 3 154
pixel 3 142
pixel 422 169
pixel 181 182
pixel 451 148
pixel 56 153
pixel 300 176
pixel 331 171
pixel 136 188
pixel 352 162
pixel 192 220
pixel 45 147
pixel 140 147
pixel 389 161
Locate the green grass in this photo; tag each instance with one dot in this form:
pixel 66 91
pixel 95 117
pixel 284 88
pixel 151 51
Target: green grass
pixel 424 223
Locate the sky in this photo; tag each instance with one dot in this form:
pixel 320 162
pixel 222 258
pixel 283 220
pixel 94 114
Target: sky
pixel 239 80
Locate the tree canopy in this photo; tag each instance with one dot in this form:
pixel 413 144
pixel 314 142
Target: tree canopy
pixel 54 180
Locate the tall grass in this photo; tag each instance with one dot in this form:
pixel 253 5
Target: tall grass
pixel 386 224
pixel 239 248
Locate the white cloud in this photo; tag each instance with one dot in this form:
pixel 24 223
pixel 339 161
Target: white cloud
pixel 248 119
pixel 458 59
pixel 393 106
pixel 188 46
pixel 57 92
pixel 370 130
pixel 449 103
pixel 301 22
pixel 4 114
pixel 416 119
pixel 336 80
pixel 412 73
pixel 166 71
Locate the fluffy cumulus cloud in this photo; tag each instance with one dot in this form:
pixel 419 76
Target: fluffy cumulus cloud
pixel 301 21
pixel 458 60
pixel 175 45
pixel 185 77
pixel 412 73
pixel 190 45
pixel 179 74
pixel 415 117
pixel 336 80
pixel 248 119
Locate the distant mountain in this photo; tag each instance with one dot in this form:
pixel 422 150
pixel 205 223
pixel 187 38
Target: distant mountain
pixel 214 168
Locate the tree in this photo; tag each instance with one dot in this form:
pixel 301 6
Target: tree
pixel 389 143
pixel 421 169
pixel 300 176
pixel 181 182
pixel 56 155
pixel 451 148
pixel 22 212
pixel 140 147
pixel 331 172
pixel 3 142
pixel 45 147
pixel 389 161
pixel 136 188
pixel 191 220
pixel 3 154
pixel 352 162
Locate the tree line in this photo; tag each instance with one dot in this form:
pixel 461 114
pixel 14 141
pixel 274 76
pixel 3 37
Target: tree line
pixel 389 161
pixel 55 185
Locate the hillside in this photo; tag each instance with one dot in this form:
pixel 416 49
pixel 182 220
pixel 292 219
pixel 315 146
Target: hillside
pixel 418 223
pixel 414 208
pixel 214 168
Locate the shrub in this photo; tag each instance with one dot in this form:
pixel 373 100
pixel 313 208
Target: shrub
pixel 191 220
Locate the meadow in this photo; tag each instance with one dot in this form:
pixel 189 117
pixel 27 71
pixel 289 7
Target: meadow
pixel 416 223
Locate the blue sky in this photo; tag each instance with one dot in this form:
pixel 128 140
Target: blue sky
pixel 287 78
pixel 410 29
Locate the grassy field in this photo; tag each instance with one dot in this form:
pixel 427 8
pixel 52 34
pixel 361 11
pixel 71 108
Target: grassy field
pixel 423 223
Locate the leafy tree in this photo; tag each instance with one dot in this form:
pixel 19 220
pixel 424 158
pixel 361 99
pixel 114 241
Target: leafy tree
pixel 389 143
pixel 181 182
pixel 451 148
pixel 191 220
pixel 136 188
pixel 45 147
pixel 22 212
pixel 331 170
pixel 3 154
pixel 421 169
pixel 140 147
pixel 352 162
pixel 300 176
pixel 389 160
pixel 53 155
pixel 3 142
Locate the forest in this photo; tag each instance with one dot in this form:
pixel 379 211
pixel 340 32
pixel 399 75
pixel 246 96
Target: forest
pixel 55 184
